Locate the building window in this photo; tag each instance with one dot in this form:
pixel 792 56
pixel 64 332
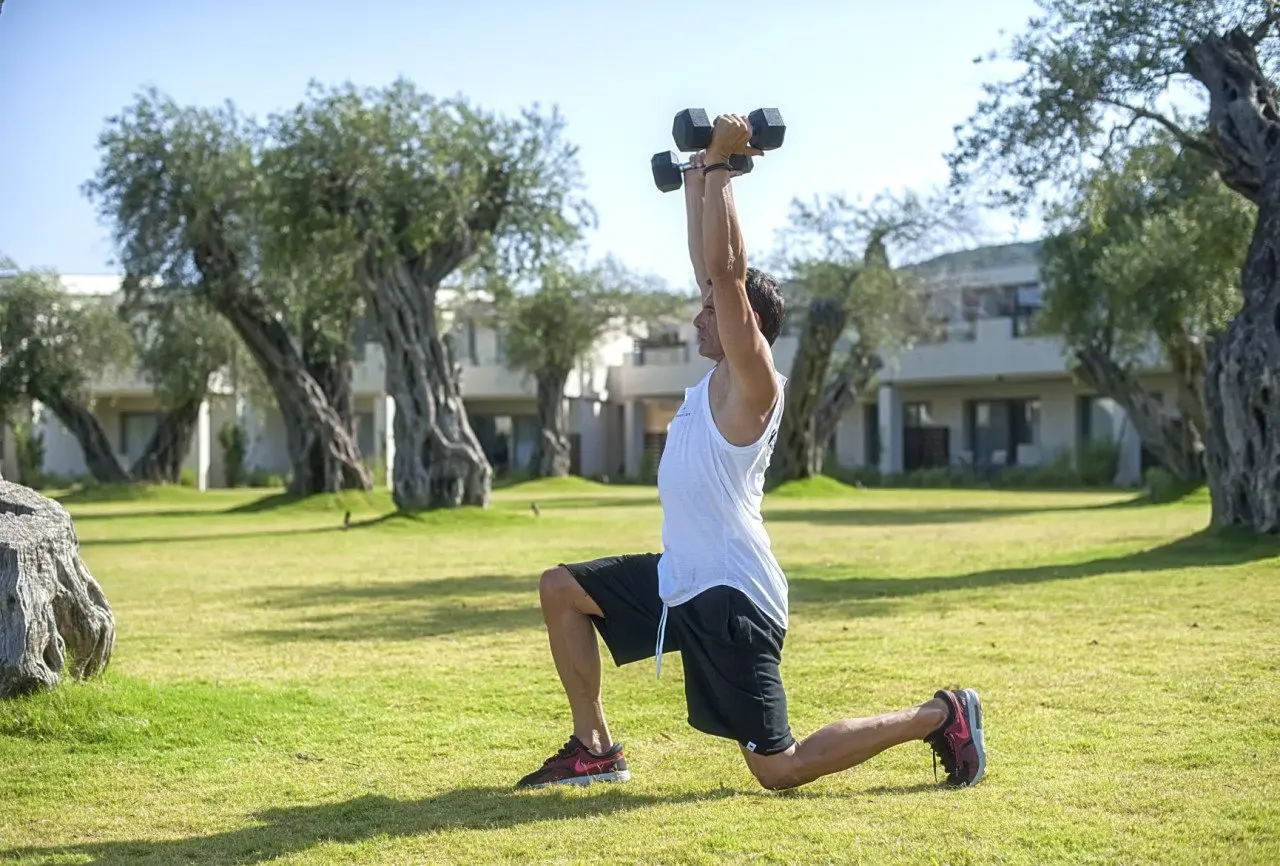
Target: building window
pixel 916 415
pixel 871 426
pixel 994 429
pixel 365 439
pixel 1028 301
pixel 136 430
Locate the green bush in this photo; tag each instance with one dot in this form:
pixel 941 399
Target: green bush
pixel 30 453
pixel 187 478
pixel 1099 462
pixel 1163 486
pixel 648 469
pixel 231 438
pixel 1057 474
pixel 262 478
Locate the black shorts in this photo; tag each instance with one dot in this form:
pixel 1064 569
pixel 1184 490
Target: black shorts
pixel 730 650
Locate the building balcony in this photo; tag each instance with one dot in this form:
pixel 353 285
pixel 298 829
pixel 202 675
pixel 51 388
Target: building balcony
pixel 983 349
pixel 669 370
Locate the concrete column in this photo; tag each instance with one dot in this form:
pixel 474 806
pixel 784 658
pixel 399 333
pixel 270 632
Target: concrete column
pixel 1125 435
pixel 388 415
pixel 632 436
pixel 9 450
pixel 204 446
pixel 591 432
pixel 890 402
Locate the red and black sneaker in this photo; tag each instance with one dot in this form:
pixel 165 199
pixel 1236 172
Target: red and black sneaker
pixel 575 764
pixel 958 742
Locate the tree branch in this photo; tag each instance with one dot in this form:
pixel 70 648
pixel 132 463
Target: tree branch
pixel 1242 110
pixel 1264 26
pixel 1185 138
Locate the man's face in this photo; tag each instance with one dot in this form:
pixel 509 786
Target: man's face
pixel 708 334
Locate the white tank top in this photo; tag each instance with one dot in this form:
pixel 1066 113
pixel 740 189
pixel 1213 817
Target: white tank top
pixel 712 530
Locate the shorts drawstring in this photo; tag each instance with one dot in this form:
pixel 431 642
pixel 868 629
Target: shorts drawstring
pixel 657 652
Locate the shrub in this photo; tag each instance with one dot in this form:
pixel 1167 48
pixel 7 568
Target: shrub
pixel 30 453
pixel 1099 462
pixel 231 438
pixel 1163 486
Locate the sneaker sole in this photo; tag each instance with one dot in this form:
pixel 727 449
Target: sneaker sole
pixel 973 712
pixel 583 781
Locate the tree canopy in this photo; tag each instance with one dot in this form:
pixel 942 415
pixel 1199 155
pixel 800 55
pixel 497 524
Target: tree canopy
pixel 52 344
pixel 408 191
pixel 185 194
pixel 1094 78
pixel 853 307
pixel 549 331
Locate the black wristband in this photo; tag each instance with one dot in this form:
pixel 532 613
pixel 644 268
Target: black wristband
pixel 715 165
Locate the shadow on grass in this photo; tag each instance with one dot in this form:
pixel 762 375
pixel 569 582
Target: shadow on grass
pixel 403 611
pixel 872 516
pixel 400 624
pixel 864 596
pixel 214 536
pixel 147 514
pixel 442 519
pixel 282 832
pixel 431 608
pixel 285 597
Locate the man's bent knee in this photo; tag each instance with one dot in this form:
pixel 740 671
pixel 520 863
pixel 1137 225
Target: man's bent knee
pixel 560 590
pixel 775 772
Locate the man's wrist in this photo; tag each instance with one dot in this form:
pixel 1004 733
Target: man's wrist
pixel 714 157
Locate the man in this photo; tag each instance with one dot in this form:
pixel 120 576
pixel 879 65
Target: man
pixel 715 593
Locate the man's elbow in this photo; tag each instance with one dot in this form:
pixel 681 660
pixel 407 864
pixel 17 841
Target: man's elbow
pixel 725 277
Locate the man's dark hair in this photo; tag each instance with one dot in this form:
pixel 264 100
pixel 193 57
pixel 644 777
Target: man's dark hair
pixel 766 301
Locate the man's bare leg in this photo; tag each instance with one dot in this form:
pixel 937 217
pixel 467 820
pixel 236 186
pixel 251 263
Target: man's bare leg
pixel 566 609
pixel 844 744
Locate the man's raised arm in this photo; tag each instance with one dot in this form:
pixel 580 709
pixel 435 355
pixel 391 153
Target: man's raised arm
pixel 694 187
pixel 725 257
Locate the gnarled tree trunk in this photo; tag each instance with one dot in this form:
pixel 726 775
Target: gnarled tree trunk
pixel 53 614
pixel 1172 439
pixel 551 451
pixel 860 366
pixel 99 457
pixel 161 463
pixel 322 449
pixel 1242 387
pixel 333 369
pixel 439 462
pixel 798 453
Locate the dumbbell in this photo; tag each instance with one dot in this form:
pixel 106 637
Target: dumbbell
pixel 668 170
pixel 692 129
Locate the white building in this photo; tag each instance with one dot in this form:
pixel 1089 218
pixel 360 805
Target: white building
pixel 988 394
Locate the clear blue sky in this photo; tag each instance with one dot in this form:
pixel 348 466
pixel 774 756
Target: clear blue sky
pixel 870 90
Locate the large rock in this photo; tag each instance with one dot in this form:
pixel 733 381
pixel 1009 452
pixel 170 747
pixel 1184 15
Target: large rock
pixel 53 614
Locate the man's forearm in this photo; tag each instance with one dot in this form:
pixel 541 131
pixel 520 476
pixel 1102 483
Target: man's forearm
pixel 724 254
pixel 693 193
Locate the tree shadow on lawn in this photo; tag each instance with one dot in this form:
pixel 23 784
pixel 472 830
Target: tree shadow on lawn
pixel 204 537
pixel 865 596
pixel 302 595
pixel 146 514
pixel 915 516
pixel 287 831
pixel 403 611
pixel 432 608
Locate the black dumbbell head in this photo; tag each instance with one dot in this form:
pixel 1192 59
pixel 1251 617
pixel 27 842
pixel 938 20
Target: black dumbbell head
pixel 692 130
pixel 767 128
pixel 666 171
pixel 741 162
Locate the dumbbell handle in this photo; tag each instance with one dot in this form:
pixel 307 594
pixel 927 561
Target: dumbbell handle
pixel 739 162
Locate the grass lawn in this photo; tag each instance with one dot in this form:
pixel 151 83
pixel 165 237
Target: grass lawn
pixel 286 690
